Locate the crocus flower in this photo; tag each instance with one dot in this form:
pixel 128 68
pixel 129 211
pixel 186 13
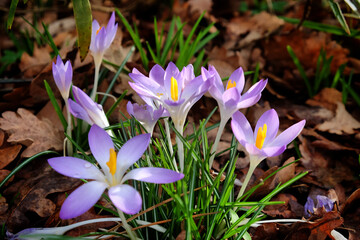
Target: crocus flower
pixel 321 202
pixel 177 91
pixel 102 37
pixel 111 176
pixel 86 109
pixel 62 74
pixel 230 99
pixel 263 142
pixel 146 114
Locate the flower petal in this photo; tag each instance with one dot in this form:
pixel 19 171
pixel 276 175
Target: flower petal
pixel 130 152
pixel 231 97
pixel 76 168
pixel 126 198
pixel 273 151
pixel 157 73
pixel 271 119
pixel 77 111
pixel 241 128
pixel 100 144
pixel 238 77
pixel 289 134
pixel 153 175
pixel 82 199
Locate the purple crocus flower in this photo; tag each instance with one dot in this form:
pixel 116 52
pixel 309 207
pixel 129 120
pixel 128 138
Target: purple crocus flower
pixel 177 90
pixel 111 176
pixel 263 142
pixel 86 109
pixel 230 99
pixel 321 202
pixel 62 74
pixel 146 114
pixel 102 37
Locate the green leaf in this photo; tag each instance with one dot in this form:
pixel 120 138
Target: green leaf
pixel 83 19
pixel 335 7
pixel 55 104
pixel 11 16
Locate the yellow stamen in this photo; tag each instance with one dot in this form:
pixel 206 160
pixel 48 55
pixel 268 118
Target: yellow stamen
pixel 230 84
pixel 112 161
pixel 261 135
pixel 159 94
pixel 97 32
pixel 174 89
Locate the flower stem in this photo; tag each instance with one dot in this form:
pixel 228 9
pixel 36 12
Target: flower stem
pixel 167 128
pixel 126 226
pixel 180 145
pixel 168 136
pixel 69 145
pixel 97 61
pixel 254 162
pixel 223 122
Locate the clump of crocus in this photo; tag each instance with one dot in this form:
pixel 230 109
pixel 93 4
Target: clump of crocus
pixel 146 114
pixel 113 174
pixel 229 98
pixel 322 202
pixel 101 39
pixel 176 90
pixel 263 142
pixel 63 74
pixel 86 109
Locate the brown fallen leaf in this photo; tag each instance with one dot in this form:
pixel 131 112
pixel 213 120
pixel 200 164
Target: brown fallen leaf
pixel 33 194
pixel 8 154
pixel 342 123
pixel 27 129
pixel 32 65
pixel 327 98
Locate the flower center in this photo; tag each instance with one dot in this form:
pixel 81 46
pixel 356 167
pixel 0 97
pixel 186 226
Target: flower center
pixel 230 84
pixel 174 89
pixel 112 161
pixel 97 32
pixel 261 135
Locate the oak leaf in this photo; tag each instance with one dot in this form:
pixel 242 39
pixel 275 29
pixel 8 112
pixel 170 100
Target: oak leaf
pixel 25 128
pixel 342 123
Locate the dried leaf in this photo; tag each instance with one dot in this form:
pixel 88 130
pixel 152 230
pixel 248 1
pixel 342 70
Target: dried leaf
pixel 40 181
pixel 8 154
pixel 27 129
pixel 342 123
pixel 32 65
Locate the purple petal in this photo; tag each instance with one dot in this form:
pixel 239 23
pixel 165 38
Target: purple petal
pixel 141 90
pixel 323 201
pixel 76 168
pixel 309 207
pixel 238 77
pixel 77 111
pixel 84 100
pixel 153 175
pixel 68 75
pixel 130 152
pixel 231 97
pixel 248 102
pixel 288 135
pixel 95 26
pixel 273 151
pixel 271 119
pixel 126 198
pixel 241 128
pixel 157 73
pixel 100 144
pixel 82 199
